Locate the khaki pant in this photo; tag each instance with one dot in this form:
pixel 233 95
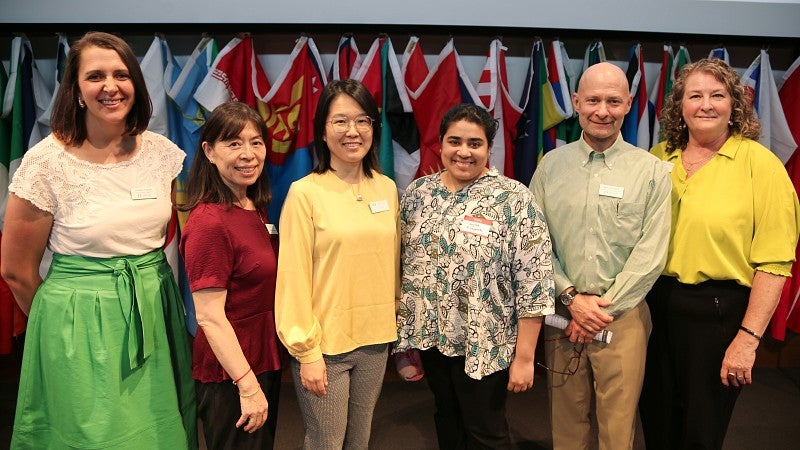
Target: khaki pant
pixel 612 372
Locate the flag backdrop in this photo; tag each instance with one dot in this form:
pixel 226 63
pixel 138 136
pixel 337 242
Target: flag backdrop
pixel 636 126
pixel 236 74
pixel 658 97
pixel 563 79
pixel 775 133
pixel 493 92
pixel 540 111
pixel 346 61
pixel 288 111
pixel 191 115
pixel 12 319
pixel 720 53
pixel 787 314
pixel 445 86
pixel 399 146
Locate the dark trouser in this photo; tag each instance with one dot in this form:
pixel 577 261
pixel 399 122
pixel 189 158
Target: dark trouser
pixel 684 405
pixel 470 414
pixel 219 408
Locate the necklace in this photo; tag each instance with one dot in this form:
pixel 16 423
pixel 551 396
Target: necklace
pixel 356 190
pixel 690 165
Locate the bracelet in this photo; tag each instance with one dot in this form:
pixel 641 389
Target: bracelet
pixel 245 374
pixel 750 332
pixel 251 394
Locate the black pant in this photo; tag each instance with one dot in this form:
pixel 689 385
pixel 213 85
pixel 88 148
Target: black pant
pixel 684 405
pixel 470 414
pixel 219 407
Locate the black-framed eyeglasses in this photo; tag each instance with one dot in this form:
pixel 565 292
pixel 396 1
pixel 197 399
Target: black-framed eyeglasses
pixel 574 360
pixel 341 124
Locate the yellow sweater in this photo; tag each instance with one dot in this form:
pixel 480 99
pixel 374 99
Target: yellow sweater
pixel 338 266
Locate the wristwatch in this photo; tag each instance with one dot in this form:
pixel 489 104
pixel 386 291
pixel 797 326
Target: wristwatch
pixel 568 296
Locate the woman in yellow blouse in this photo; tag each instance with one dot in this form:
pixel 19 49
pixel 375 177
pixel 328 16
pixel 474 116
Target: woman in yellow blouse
pixel 735 221
pixel 338 272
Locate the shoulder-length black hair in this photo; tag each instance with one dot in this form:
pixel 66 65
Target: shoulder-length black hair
pixel 205 183
pixel 361 95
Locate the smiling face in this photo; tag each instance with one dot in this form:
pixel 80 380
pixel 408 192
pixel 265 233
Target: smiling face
pixel 706 107
pixel 348 147
pixel 239 160
pixel 601 102
pixel 465 152
pixel 105 87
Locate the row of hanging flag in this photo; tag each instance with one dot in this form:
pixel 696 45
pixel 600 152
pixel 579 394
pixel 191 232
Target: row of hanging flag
pixel 412 97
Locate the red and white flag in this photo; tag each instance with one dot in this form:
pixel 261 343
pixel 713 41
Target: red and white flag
pixel 445 86
pixel 236 74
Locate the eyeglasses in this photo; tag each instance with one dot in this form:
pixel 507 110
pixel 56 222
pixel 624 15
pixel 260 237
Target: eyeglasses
pixel 341 124
pixel 574 361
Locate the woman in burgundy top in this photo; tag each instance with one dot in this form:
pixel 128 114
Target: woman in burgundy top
pixel 230 251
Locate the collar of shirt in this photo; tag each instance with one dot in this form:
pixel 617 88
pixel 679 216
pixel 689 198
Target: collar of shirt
pixel 608 155
pixel 728 149
pixel 492 172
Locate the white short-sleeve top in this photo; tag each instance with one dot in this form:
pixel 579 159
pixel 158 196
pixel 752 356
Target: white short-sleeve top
pixel 102 210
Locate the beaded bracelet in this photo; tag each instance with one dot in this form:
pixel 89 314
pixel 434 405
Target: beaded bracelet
pixel 750 332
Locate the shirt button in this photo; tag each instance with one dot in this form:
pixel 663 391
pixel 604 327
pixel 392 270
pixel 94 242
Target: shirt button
pixel 591 285
pixel 591 230
pixel 596 175
pixel 589 257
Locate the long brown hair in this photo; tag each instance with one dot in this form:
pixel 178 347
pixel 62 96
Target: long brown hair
pixel 743 119
pixel 205 184
pixel 68 120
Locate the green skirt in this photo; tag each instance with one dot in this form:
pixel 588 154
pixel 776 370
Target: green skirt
pixel 107 360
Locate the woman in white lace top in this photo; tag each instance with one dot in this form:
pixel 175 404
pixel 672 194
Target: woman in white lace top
pixel 106 361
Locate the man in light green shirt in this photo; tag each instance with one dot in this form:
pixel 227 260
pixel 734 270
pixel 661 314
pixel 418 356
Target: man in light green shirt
pixel 607 205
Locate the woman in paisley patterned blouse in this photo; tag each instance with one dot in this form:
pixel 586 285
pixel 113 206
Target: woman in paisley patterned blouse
pixel 477 282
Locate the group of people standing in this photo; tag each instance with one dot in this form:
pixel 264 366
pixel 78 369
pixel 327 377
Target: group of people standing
pixel 678 254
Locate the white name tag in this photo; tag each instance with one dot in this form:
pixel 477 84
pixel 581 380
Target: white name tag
pixel 476 226
pixel 668 165
pixel 379 206
pixel 611 191
pixel 272 229
pixel 143 193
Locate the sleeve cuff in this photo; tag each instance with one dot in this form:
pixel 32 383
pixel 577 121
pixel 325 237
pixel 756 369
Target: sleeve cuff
pixel 781 269
pixel 309 356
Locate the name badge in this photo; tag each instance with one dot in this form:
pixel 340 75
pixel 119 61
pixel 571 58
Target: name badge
pixel 668 165
pixel 476 226
pixel 272 229
pixel 379 206
pixel 611 191
pixel 143 193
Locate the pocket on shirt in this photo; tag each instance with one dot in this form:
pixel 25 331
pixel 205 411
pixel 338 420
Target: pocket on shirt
pixel 626 219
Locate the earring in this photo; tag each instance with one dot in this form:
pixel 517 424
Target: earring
pixel 81 103
pixel 730 123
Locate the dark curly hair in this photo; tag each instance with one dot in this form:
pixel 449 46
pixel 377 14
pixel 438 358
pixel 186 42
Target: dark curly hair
pixel 743 119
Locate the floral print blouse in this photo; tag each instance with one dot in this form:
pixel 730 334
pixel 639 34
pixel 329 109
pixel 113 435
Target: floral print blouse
pixel 474 262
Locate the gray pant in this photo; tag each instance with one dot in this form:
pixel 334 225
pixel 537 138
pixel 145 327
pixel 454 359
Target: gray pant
pixel 342 419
